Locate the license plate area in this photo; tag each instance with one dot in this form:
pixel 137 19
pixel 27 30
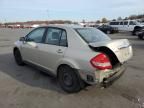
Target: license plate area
pixel 125 52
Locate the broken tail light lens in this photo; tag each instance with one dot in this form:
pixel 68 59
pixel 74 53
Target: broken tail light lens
pixel 101 62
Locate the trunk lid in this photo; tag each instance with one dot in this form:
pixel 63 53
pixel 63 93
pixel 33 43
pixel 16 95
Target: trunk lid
pixel 121 48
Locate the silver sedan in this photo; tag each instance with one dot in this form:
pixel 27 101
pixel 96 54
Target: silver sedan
pixel 75 55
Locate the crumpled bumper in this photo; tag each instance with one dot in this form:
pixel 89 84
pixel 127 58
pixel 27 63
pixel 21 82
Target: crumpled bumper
pixel 108 81
pixel 102 77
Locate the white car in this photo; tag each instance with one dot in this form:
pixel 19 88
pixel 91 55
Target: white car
pixel 75 55
pixel 127 25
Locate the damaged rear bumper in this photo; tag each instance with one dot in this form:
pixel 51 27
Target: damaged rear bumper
pixel 108 81
pixel 102 78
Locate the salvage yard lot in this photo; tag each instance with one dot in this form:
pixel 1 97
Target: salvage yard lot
pixel 26 87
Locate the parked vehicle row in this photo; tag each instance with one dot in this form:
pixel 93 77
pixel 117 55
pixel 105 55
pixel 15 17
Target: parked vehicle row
pixel 127 25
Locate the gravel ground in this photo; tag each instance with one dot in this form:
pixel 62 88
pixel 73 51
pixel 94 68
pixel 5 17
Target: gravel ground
pixel 26 87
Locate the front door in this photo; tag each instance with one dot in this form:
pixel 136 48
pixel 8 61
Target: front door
pixel 126 26
pixel 30 47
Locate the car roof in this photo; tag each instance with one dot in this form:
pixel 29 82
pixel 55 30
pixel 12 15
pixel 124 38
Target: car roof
pixel 64 26
pixel 122 20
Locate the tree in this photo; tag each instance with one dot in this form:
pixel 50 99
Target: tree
pixel 119 18
pixel 75 22
pixel 104 20
pixel 114 20
pixel 126 18
pixel 83 21
pixel 98 21
pixel 133 17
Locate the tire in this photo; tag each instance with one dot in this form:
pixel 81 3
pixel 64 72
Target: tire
pixel 69 80
pixel 140 37
pixel 18 57
pixel 133 32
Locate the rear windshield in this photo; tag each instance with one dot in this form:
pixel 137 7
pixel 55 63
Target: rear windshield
pixel 91 35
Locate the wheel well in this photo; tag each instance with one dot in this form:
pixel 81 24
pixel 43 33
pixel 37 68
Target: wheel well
pixel 60 67
pixel 137 27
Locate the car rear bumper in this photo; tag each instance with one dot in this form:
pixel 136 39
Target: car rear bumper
pixel 108 81
pixel 103 78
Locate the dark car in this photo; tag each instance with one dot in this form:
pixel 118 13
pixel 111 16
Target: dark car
pixel 108 29
pixel 137 30
pixel 141 34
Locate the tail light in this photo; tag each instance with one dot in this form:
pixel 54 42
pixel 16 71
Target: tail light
pixel 101 61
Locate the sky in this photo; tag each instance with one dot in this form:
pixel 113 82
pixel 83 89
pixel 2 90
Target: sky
pixel 75 10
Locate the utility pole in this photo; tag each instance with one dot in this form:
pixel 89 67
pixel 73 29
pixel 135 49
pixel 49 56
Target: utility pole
pixel 5 22
pixel 48 15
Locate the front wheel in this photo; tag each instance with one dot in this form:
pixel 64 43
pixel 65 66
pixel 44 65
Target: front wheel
pixel 69 79
pixel 18 57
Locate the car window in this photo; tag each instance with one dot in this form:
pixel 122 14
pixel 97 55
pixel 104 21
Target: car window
pixel 56 36
pixel 36 35
pixel 91 35
pixel 121 23
pixel 63 40
pixel 114 23
pixel 126 23
pixel 132 23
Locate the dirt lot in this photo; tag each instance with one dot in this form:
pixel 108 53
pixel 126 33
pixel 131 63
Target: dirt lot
pixel 26 87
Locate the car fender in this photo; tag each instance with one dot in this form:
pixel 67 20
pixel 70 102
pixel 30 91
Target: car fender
pixel 66 61
pixel 18 44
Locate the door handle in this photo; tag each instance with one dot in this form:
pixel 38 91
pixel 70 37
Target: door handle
pixel 59 51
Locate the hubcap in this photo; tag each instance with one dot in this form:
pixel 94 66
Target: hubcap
pixel 67 78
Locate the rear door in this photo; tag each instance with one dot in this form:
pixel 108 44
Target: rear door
pixel 54 47
pixel 30 47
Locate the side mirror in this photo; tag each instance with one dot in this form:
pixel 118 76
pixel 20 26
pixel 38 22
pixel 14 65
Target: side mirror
pixel 22 39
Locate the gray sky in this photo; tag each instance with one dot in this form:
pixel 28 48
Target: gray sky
pixel 23 10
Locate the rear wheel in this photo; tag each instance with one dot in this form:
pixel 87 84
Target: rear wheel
pixel 140 37
pixel 18 57
pixel 69 80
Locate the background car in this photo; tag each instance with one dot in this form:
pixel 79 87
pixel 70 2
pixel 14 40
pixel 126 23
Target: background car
pixel 127 25
pixel 108 29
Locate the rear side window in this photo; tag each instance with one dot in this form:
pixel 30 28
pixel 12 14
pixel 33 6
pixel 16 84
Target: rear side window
pixel 56 36
pixel 63 39
pixel 91 35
